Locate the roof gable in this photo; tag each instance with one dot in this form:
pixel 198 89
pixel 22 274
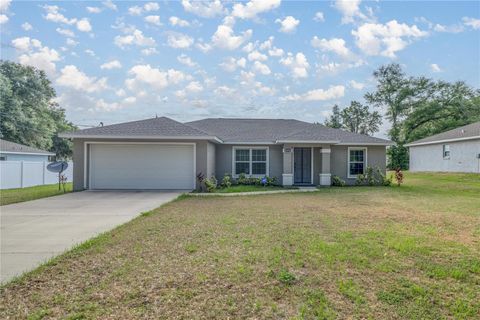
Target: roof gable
pixel 12 147
pixel 470 131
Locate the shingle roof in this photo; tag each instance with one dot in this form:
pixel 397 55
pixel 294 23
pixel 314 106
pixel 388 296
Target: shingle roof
pixel 228 131
pixel 8 146
pixel 273 130
pixel 161 127
pixel 469 131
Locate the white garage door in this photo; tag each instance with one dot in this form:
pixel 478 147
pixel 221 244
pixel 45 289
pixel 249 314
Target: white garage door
pixel 141 166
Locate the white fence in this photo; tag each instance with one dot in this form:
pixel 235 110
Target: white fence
pixel 21 174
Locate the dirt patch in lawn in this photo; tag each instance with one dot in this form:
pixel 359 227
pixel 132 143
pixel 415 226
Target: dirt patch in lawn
pixel 339 253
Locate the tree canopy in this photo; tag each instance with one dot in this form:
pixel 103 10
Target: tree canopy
pixel 355 118
pixel 29 113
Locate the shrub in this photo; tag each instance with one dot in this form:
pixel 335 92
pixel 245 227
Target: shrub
pixel 242 179
pixel 210 184
pixel 373 177
pixel 337 181
pixel 226 181
pixel 360 180
pixel 399 176
pixel 285 277
pixel 272 181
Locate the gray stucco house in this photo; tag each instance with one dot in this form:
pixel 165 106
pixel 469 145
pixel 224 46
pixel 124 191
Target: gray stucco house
pixel 162 153
pixel 11 151
pixel 456 150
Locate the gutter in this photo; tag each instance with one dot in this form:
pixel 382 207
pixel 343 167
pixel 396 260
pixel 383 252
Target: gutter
pixel 413 144
pixel 84 136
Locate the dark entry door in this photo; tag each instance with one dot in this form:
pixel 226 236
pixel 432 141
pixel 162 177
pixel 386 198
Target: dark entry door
pixel 302 165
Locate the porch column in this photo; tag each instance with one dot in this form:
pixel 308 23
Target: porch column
pixel 287 175
pixel 325 176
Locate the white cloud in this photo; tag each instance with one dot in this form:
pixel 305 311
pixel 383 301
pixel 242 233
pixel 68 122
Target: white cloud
pixel 27 26
pixel 255 55
pixel 135 37
pixel 186 60
pixel 84 25
pixel 231 64
pixel 120 93
pixel 435 68
pixel 156 78
pixel 101 105
pixel 333 92
pixel 34 54
pixel 224 91
pixel 297 64
pixel 204 47
pixel 149 51
pixel 130 100
pixel 276 52
pixel 356 85
pixel 194 87
pixel 335 67
pixel 3 18
pixel 179 40
pixel 151 6
pixel 71 42
pixel 114 64
pixel 386 39
pixel 54 15
pixel 153 20
pixel 350 10
pixel 254 7
pixel 288 25
pixel 224 38
pixel 176 21
pixel 135 11
pixel 449 29
pixel 4 4
pixel 319 17
pixel 336 45
pixel 90 52
pixel 73 78
pixel 65 32
pixel 94 9
pixel 471 22
pixel 110 5
pixel 205 9
pixel 261 68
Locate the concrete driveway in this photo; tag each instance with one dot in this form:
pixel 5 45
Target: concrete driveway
pixel 34 231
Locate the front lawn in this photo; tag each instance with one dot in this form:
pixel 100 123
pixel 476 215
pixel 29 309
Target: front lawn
pixel 10 196
pixel 361 252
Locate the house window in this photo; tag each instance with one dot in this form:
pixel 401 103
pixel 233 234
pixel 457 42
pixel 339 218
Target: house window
pixel 51 158
pixel 3 158
pixel 446 151
pixel 250 161
pixel 357 161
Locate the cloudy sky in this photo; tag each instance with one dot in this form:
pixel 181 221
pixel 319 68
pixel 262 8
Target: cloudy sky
pixel 119 61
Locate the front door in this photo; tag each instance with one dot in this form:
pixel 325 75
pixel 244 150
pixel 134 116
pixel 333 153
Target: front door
pixel 302 165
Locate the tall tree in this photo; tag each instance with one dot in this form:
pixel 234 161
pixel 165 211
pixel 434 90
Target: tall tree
pixel 393 94
pixel 28 112
pixel 335 120
pixel 355 118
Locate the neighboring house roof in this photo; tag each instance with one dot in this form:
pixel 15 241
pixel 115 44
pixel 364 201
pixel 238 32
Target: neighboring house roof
pixel 279 131
pixel 468 132
pixel 16 148
pixel 146 129
pixel 224 130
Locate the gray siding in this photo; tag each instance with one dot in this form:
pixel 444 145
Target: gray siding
pixel 211 148
pixel 339 160
pixel 463 157
pixel 78 157
pixel 25 157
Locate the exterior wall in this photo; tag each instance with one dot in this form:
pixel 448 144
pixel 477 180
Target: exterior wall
pixel 463 157
pixel 25 157
pixel 79 156
pixel 211 148
pixel 376 157
pixel 223 160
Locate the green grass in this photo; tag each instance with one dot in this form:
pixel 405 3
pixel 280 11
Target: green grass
pixel 245 188
pixel 409 252
pixel 10 196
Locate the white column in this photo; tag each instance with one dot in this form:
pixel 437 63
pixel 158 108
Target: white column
pixel 287 175
pixel 325 176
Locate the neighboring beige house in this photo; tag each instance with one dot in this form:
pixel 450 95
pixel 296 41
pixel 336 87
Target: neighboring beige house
pixel 162 153
pixel 456 150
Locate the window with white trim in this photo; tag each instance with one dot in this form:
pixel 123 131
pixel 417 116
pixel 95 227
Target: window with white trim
pixel 357 160
pixel 3 158
pixel 250 161
pixel 446 151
